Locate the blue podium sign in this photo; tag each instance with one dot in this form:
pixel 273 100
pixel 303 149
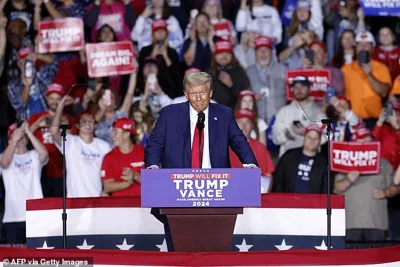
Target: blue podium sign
pixel 177 188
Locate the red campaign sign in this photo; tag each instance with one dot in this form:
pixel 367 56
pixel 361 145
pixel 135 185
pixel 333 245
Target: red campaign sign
pixel 113 58
pixel 61 35
pixel 223 30
pixel 354 156
pixel 320 80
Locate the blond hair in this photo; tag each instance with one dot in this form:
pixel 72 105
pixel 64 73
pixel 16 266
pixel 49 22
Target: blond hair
pixel 196 79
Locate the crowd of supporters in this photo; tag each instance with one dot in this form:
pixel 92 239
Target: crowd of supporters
pixel 112 117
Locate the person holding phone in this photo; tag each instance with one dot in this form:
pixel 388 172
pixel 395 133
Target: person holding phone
pixel 367 81
pixel 27 94
pixel 291 121
pixel 387 131
pixel 170 71
pixel 158 9
pixel 316 58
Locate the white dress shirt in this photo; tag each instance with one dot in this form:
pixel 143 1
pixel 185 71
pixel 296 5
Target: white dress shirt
pixel 206 150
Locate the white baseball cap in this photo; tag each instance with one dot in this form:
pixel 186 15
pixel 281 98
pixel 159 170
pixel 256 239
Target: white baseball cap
pixel 365 37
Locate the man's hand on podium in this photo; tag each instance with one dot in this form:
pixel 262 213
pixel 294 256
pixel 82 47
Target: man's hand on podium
pixel 153 167
pixel 250 166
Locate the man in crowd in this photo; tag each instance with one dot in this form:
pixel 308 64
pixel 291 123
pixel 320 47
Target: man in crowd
pixel 27 93
pixel 228 76
pixel 366 198
pixel 291 120
pixel 39 125
pixel 366 81
pixel 84 155
pixel 121 167
pixel 244 119
pixel 318 61
pixel 267 78
pixel 21 169
pixel 303 170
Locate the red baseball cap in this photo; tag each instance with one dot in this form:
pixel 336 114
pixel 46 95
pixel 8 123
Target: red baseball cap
pixel 55 88
pixel 313 127
pixel 190 70
pixel 263 41
pixel 244 113
pixel 361 133
pixel 24 52
pixel 159 24
pixel 245 93
pixel 320 44
pixel 125 124
pixel 222 46
pixel 342 97
pixel 12 128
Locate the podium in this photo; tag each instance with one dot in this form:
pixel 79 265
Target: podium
pixel 201 205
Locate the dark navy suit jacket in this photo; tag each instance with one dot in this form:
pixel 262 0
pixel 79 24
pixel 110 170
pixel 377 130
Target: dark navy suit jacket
pixel 169 144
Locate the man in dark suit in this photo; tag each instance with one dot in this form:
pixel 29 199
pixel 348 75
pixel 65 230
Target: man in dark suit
pixel 174 141
pixel 303 170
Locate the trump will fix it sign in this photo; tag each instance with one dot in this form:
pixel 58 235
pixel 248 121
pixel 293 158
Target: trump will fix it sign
pixel 353 156
pixel 61 35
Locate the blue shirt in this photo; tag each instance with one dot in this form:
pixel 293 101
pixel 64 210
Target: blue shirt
pixel 303 174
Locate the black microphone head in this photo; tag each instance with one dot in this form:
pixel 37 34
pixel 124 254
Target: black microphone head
pixel 200 120
pixel 202 117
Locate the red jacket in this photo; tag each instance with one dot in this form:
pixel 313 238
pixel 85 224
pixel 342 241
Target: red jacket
pixel 390 58
pixel 390 143
pixel 262 156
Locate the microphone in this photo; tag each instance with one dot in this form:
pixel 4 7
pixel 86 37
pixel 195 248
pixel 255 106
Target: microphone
pixel 64 126
pixel 200 120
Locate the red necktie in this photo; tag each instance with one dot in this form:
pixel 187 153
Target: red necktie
pixel 196 148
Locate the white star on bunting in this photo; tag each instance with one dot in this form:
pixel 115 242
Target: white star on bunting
pixel 323 246
pixel 124 245
pixel 45 246
pixel 85 245
pixel 163 247
pixel 283 246
pixel 244 247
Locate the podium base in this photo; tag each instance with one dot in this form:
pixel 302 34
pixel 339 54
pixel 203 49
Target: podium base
pixel 201 229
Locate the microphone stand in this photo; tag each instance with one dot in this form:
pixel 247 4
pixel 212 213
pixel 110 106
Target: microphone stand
pixel 329 205
pixel 64 128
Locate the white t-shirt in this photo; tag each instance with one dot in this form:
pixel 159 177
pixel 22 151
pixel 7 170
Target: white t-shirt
pixel 84 166
pixel 21 182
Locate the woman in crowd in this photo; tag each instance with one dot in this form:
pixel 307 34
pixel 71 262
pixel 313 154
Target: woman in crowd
pixel 245 52
pixel 387 52
pixel 255 14
pixel 158 9
pixel 108 109
pixel 213 8
pixel 199 47
pixel 119 15
pixel 247 100
pixel 143 119
pixel 307 17
pixel 346 50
